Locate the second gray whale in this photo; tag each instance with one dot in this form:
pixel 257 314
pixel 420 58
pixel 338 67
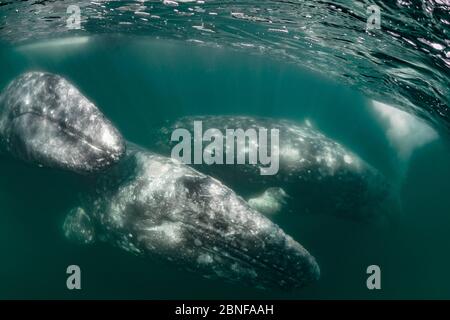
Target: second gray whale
pixel 157 207
pixel 317 174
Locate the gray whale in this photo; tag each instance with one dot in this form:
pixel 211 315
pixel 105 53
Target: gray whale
pixel 318 174
pixel 45 120
pixel 155 206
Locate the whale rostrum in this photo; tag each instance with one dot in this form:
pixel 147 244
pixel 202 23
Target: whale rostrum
pixel 155 206
pixel 45 120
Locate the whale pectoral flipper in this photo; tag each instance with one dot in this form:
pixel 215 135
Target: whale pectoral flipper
pixel 78 227
pixel 270 202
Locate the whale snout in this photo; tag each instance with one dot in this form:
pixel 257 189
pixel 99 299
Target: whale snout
pixel 45 120
pixel 284 263
pixel 47 142
pixel 225 237
pixel 268 260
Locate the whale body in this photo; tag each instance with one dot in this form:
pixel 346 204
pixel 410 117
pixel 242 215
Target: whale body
pixel 155 206
pixel 318 174
pixel 45 120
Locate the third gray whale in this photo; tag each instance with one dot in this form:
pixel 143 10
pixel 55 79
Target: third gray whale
pixel 317 174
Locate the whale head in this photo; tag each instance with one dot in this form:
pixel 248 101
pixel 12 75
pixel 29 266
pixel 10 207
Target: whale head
pixel 228 239
pixel 221 236
pixel 166 209
pixel 46 121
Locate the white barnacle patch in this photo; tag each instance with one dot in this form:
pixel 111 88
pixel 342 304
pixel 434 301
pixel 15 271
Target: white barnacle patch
pixel 116 209
pixel 348 159
pixel 108 138
pixel 260 225
pixel 237 268
pixel 204 258
pixel 155 176
pixel 290 154
pixel 330 157
pixel 128 245
pixel 170 233
pixel 215 189
pixel 351 160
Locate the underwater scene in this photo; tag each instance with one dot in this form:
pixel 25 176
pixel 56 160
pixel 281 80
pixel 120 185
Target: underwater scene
pixel 196 149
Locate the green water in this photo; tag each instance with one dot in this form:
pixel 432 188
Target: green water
pixel 139 83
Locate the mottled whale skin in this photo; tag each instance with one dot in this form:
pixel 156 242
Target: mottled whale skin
pixel 155 206
pixel 46 121
pixel 318 174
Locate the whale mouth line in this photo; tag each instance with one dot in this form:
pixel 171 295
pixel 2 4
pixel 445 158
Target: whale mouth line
pixel 273 274
pixel 65 128
pixel 242 256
